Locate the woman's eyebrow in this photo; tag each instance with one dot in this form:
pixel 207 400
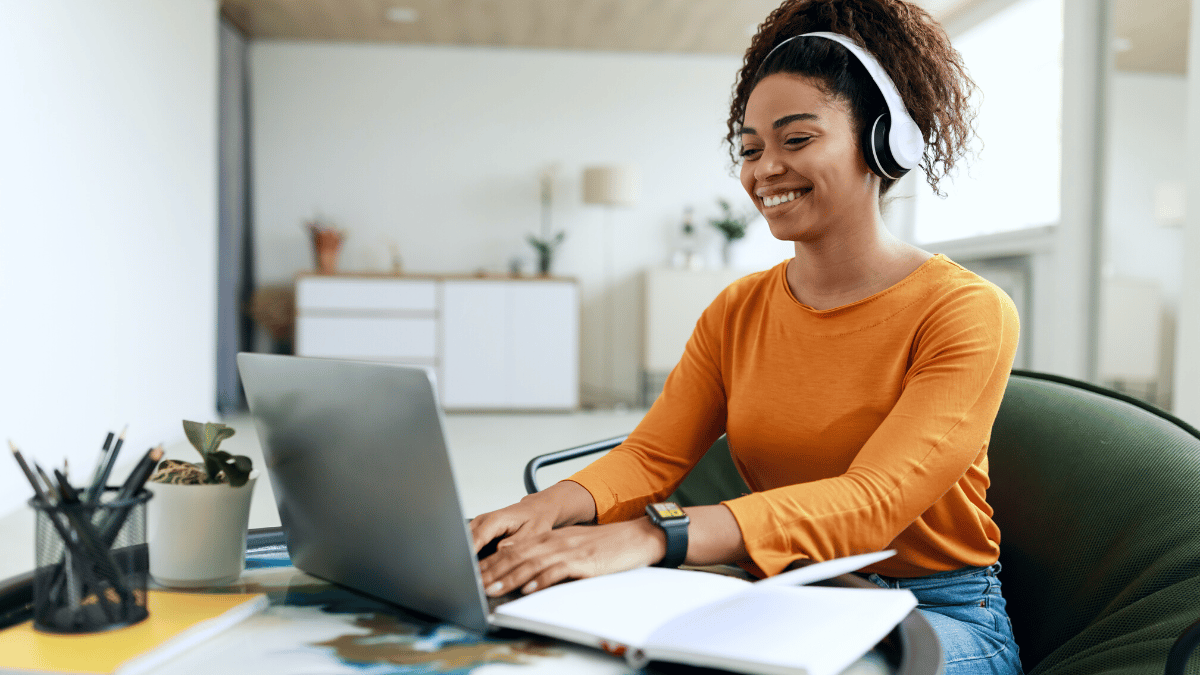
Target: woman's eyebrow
pixel 784 121
pixel 798 117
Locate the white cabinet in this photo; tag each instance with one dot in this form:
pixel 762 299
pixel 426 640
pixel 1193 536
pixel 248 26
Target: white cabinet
pixel 494 344
pixel 511 344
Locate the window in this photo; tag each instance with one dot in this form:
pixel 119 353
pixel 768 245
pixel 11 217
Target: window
pixel 1012 182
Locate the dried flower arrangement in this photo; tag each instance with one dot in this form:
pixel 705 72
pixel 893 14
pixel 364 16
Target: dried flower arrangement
pixel 218 466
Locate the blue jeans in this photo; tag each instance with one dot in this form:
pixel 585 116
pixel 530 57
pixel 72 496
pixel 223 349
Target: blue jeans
pixel 966 611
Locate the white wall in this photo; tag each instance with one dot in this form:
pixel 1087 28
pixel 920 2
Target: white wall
pixel 439 151
pixel 108 224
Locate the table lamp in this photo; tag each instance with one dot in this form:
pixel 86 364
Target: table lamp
pixel 609 186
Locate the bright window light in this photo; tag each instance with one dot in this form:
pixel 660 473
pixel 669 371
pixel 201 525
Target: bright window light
pixel 1012 183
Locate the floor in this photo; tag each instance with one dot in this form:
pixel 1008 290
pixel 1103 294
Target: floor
pixel 488 453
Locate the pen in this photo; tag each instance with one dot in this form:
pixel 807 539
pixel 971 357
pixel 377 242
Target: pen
pixel 98 488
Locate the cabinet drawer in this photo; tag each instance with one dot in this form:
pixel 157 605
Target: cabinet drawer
pixel 373 295
pixel 383 338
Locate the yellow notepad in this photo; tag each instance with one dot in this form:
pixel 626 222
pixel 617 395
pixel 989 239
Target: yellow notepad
pixel 177 621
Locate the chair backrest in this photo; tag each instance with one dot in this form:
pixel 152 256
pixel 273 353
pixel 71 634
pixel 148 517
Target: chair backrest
pixel 1097 497
pixel 714 479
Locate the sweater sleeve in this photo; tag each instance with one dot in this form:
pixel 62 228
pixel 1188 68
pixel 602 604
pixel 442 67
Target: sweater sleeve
pixel 687 417
pixel 936 430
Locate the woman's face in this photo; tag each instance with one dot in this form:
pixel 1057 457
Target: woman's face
pixel 801 163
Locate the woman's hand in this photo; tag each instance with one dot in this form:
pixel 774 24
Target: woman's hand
pixel 543 559
pixel 539 559
pixel 564 503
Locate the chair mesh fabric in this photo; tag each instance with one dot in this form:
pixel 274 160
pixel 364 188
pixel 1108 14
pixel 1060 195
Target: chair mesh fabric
pixel 1098 504
pixel 714 479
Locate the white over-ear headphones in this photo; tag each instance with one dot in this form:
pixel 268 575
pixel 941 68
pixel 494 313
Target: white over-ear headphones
pixel 892 144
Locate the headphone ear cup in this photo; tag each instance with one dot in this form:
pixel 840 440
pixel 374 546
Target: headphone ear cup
pixel 877 151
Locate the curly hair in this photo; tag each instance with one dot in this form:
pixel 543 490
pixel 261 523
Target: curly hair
pixel 913 49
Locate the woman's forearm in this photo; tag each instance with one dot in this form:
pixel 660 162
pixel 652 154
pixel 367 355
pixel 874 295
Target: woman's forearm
pixel 714 537
pixel 575 504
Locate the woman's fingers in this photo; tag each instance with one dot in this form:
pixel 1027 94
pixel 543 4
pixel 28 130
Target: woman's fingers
pixel 568 553
pixel 485 528
pixel 548 577
pixel 525 518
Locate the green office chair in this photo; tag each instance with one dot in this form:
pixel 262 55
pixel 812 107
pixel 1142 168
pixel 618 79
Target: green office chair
pixel 1097 496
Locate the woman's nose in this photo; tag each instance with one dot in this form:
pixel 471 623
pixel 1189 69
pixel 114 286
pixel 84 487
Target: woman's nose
pixel 769 164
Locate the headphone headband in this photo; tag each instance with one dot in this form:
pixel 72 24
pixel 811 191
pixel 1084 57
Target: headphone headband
pixel 904 137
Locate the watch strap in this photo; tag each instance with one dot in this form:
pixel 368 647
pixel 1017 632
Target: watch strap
pixel 674 524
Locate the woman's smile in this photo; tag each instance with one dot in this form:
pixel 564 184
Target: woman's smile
pixel 795 138
pixel 781 198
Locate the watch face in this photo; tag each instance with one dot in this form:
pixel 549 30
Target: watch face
pixel 668 510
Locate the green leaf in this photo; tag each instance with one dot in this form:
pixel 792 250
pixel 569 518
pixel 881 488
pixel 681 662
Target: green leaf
pixel 236 467
pixel 212 465
pixel 214 433
pixel 195 435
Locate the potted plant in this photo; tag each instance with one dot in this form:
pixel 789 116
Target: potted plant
pixel 546 244
pixel 200 513
pixel 732 225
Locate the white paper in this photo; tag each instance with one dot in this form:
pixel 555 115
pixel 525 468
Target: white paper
pixel 825 570
pixel 624 608
pixel 783 629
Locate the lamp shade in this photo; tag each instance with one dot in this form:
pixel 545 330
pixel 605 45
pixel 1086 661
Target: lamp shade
pixel 612 185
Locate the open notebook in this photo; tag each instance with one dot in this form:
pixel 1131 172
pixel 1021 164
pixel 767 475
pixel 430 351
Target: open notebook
pixel 776 626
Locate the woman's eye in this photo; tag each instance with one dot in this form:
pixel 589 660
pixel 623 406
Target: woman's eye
pixel 797 140
pixel 748 153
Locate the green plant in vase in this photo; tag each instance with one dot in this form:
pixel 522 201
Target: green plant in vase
pixel 217 466
pixel 548 242
pixel 731 225
pixel 198 518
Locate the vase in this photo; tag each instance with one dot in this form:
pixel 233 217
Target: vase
pixel 544 259
pixel 197 533
pixel 327 245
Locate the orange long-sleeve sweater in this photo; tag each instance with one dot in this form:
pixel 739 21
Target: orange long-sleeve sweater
pixel 859 428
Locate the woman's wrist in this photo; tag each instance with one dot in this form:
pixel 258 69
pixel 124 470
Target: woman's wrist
pixel 649 539
pixel 566 502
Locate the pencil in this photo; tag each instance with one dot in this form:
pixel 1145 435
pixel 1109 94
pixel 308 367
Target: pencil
pixel 133 485
pixel 93 497
pixel 53 494
pixel 37 487
pixel 100 462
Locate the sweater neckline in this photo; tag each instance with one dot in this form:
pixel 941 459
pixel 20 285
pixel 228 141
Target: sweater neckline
pixel 909 280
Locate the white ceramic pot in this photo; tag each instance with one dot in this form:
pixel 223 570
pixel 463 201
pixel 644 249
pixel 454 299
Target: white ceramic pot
pixel 197 533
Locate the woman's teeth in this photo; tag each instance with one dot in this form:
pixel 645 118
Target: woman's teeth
pixel 779 199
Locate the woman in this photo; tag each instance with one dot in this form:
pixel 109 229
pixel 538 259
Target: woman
pixel 857 383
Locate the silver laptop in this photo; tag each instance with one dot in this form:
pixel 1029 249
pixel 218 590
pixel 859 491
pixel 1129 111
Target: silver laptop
pixel 357 457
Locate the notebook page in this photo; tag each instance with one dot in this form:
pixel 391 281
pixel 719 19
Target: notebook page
pixel 625 607
pixel 825 570
pixel 783 629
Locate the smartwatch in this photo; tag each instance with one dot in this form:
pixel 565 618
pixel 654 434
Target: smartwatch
pixel 674 523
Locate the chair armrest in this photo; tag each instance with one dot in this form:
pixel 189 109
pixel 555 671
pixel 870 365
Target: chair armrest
pixel 549 458
pixel 1177 658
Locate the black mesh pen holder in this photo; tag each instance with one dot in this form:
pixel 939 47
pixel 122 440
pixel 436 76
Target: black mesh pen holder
pixel 92 564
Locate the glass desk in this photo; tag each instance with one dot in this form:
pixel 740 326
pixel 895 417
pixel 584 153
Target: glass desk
pixel 312 626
